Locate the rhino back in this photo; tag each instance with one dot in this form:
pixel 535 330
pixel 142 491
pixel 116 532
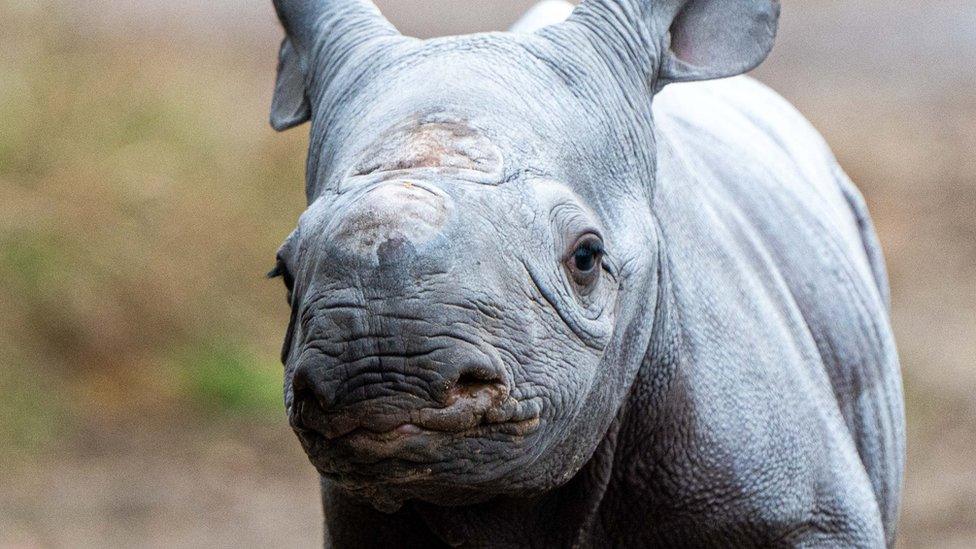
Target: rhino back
pixel 781 294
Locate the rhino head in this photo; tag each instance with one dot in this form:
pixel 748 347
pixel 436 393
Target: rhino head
pixel 474 283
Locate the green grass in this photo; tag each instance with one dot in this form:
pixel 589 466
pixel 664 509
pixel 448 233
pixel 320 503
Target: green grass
pixel 32 416
pixel 219 377
pixel 29 262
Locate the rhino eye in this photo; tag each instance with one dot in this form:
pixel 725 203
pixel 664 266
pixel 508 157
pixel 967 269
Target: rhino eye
pixel 585 260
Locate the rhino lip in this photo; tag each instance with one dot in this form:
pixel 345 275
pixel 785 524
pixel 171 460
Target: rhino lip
pixel 366 438
pixel 486 412
pixel 486 409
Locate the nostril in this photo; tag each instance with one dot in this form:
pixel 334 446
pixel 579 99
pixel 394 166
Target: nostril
pixel 475 381
pixel 305 400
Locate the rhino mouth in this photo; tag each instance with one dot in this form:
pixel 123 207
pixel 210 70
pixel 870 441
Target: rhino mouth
pixel 369 446
pixel 473 405
pixel 420 435
pixel 394 446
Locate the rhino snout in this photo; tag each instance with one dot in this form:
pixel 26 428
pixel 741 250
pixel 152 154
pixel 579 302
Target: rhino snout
pixel 449 392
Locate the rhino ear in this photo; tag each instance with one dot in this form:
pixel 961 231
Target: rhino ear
pixel 321 36
pixel 289 107
pixel 676 40
pixel 717 38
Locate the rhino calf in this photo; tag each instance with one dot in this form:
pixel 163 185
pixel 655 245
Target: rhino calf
pixel 543 297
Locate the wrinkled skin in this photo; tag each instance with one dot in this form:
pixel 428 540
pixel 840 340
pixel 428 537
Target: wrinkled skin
pixel 538 301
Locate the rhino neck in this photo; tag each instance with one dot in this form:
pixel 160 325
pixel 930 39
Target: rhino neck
pixel 565 517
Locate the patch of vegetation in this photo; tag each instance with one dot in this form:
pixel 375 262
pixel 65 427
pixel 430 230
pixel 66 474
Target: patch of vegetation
pixel 32 414
pixel 220 377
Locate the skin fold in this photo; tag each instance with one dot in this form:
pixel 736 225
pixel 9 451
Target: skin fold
pixel 546 293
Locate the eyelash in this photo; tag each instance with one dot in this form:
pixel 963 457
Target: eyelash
pixel 281 271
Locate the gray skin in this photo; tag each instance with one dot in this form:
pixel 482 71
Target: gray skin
pixel 539 299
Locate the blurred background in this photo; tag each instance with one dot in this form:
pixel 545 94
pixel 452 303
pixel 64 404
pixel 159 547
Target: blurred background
pixel 143 196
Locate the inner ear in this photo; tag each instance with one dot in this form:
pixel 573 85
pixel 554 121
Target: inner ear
pixel 289 106
pixel 716 39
